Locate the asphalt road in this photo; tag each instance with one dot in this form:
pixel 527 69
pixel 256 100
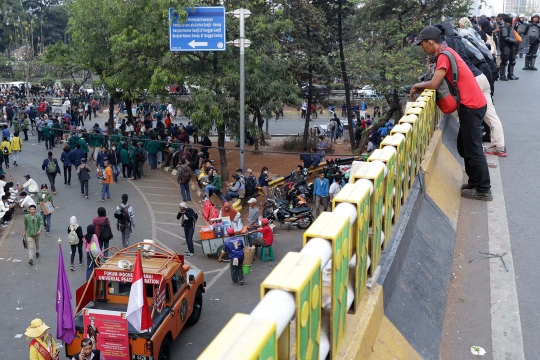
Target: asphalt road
pixel 475 296
pixel 29 291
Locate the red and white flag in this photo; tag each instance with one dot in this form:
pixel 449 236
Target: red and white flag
pixel 138 312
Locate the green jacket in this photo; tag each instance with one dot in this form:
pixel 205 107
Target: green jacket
pixel 47 132
pixel 124 156
pixel 84 145
pixel 73 141
pixel 48 198
pixel 133 152
pixel 154 147
pixel 115 138
pixel 16 126
pixel 217 182
pixel 33 226
pixel 26 124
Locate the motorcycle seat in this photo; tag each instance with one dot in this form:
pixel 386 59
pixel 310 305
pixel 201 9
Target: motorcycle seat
pixel 299 210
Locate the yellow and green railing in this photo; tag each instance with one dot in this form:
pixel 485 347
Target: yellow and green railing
pixel 303 316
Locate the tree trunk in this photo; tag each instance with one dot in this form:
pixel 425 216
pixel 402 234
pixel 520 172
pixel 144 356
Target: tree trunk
pixel 222 153
pixel 110 122
pixel 255 122
pixel 310 81
pixel 345 77
pixel 129 112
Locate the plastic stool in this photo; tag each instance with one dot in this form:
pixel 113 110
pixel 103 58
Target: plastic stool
pixel 267 253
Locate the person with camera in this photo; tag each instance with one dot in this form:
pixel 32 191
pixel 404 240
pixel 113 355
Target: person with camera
pixel 188 217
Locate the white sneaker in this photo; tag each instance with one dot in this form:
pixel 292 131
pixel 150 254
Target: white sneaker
pixel 190 254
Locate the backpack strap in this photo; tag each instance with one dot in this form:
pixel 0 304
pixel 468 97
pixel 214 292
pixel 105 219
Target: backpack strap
pixel 455 75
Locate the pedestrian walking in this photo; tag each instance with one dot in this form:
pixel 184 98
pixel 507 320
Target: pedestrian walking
pixel 50 165
pixel 124 159
pixel 107 181
pixel 25 126
pixel 44 197
pixel 188 218
pixel 114 160
pixel 33 226
pixel 67 159
pixel 42 346
pixel 125 219
pixel 5 147
pixel 89 239
pixel 183 177
pixel 321 192
pixel 39 127
pixel 84 177
pixel 234 246
pixel 75 239
pixel 102 229
pixel 16 147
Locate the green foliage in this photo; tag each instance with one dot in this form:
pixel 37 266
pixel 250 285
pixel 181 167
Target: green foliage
pixel 296 143
pixel 47 81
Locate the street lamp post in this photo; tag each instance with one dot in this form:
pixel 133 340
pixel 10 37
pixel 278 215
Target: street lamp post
pixel 242 43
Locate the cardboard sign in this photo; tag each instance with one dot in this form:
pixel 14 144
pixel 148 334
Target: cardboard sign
pixel 47 208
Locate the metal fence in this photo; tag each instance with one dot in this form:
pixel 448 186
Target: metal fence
pixel 306 299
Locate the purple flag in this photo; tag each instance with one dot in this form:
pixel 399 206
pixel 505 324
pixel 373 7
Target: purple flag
pixel 65 323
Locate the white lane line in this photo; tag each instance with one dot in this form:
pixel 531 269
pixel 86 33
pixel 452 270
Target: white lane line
pixel 176 236
pixel 215 278
pixel 158 203
pixel 506 336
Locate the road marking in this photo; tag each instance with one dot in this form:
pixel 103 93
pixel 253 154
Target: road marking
pixel 506 336
pixel 215 278
pixel 177 236
pixel 155 180
pixel 166 212
pixel 168 223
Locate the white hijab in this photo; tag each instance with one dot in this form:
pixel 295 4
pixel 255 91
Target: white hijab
pixel 73 224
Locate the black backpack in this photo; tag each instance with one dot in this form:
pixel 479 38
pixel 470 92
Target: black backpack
pixel 251 185
pixel 106 232
pixel 122 215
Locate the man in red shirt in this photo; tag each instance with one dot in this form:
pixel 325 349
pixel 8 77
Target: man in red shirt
pixel 267 237
pixel 472 109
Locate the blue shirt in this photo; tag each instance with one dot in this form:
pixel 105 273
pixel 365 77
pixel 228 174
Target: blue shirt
pixel 67 158
pixel 306 159
pixel 234 246
pixel 315 160
pixel 321 187
pixel 5 133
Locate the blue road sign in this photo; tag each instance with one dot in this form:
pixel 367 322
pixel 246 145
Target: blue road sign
pixel 204 30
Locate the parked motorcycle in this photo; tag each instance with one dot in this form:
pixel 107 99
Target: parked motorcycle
pixel 300 216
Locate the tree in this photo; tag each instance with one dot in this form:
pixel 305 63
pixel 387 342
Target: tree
pixel 64 59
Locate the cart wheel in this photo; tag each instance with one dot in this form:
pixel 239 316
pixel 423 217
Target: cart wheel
pixel 225 256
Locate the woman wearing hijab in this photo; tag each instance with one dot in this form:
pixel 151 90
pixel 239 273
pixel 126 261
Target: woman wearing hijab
pixel 74 226
pixel 88 239
pixel 234 216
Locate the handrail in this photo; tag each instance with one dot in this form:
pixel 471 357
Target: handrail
pixel 345 243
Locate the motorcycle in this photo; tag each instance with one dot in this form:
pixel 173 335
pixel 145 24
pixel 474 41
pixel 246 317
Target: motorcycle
pixel 300 216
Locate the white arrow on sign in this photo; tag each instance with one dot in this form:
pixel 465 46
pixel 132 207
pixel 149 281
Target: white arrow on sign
pixel 194 44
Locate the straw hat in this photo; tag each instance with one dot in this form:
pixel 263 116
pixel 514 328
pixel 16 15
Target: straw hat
pixel 37 328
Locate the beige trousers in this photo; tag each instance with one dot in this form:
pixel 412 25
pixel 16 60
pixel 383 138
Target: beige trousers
pixel 491 118
pixel 33 246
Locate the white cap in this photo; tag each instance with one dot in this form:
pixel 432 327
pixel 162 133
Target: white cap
pixel 252 201
pixel 183 205
pixel 250 171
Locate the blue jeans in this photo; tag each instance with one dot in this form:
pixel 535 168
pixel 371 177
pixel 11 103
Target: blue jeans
pixel 46 221
pixel 105 191
pixel 153 160
pixel 231 194
pixel 115 171
pixel 188 233
pixel 184 190
pixel 209 188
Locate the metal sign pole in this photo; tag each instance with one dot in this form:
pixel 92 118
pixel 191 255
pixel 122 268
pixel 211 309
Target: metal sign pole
pixel 242 90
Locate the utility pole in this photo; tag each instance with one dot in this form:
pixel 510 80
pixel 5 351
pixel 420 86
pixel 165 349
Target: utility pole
pixel 242 43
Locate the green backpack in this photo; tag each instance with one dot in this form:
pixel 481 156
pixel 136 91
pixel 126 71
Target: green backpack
pixel 51 167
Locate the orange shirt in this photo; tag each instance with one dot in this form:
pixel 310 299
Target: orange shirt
pixel 108 176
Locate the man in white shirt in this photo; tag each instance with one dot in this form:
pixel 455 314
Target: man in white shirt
pixel 335 188
pixel 30 185
pixel 25 201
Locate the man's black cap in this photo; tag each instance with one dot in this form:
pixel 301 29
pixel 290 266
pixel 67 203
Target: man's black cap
pixel 428 33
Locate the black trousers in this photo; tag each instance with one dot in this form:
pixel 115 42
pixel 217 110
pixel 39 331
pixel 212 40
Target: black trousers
pixel 67 174
pixel 470 148
pixel 52 179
